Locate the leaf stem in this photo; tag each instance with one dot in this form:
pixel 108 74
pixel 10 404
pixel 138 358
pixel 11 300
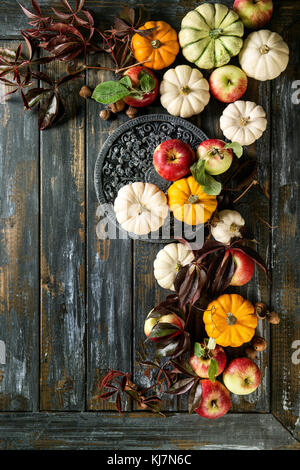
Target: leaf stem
pixel 253 183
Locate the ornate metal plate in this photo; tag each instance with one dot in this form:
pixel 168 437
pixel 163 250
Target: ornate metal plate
pixel 126 156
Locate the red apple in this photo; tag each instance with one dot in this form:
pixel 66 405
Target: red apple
pixel 201 364
pixel 170 318
pixel 244 268
pixel 242 376
pixel 254 13
pixel 172 159
pixel 228 83
pixel 217 158
pixel 215 400
pixel 147 98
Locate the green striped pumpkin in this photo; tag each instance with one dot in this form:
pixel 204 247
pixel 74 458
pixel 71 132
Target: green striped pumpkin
pixel 210 35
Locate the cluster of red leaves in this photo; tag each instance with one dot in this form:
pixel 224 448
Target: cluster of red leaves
pixel 211 271
pixel 116 383
pixel 64 35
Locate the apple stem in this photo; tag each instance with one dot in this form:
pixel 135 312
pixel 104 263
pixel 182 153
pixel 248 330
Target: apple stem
pixel 214 404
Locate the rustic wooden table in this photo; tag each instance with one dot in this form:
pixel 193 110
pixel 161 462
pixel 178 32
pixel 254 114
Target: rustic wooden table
pixel 72 306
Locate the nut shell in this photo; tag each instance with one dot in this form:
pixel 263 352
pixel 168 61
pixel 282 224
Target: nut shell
pixel 105 114
pixel 259 344
pixel 251 353
pixel 85 92
pixel 117 107
pixel 273 318
pixel 261 310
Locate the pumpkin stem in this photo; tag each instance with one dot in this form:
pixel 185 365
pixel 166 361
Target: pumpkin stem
pixel 185 90
pixel 178 266
pixel 155 44
pixel 244 121
pixel 231 319
pixel 193 199
pixel 215 33
pixel 233 227
pixel 264 49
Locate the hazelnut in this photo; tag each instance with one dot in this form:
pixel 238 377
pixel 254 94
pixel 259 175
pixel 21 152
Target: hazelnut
pixel 131 112
pixel 117 107
pixel 105 114
pixel 273 318
pixel 259 344
pixel 251 353
pixel 85 92
pixel 260 310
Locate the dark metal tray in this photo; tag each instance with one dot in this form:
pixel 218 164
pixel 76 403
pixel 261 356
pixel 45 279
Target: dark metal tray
pixel 126 156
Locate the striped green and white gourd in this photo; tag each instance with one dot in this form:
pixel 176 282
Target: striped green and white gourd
pixel 210 35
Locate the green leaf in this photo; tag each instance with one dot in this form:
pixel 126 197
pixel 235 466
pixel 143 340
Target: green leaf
pixel 109 92
pixel 147 82
pixel 199 351
pixel 208 183
pixel 212 370
pixel 162 329
pixel 126 81
pixel 211 344
pixel 236 147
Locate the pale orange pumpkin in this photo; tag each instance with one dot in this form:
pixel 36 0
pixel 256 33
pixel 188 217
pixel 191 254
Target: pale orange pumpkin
pixel 230 320
pixel 158 49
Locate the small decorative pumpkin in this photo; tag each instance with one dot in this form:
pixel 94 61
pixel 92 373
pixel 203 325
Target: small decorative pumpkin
pixel 243 122
pixel 189 203
pixel 184 91
pixel 159 48
pixel 168 262
pixel 230 320
pixel 210 35
pixel 141 208
pixel 264 55
pixel 227 225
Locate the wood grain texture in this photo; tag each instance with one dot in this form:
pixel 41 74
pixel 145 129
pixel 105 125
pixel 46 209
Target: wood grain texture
pixel 63 256
pixel 285 238
pixel 109 339
pixel 96 294
pixel 19 255
pixel 138 431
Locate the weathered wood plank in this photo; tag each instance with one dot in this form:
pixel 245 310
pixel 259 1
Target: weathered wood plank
pixel 140 431
pixel 13 18
pixel 285 238
pixel 63 256
pixel 109 343
pixel 19 255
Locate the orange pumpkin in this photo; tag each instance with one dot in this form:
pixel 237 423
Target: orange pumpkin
pixel 189 203
pixel 230 320
pixel 159 49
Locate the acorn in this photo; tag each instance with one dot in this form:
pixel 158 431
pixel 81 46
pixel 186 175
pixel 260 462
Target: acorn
pixel 259 344
pixel 273 318
pixel 105 114
pixel 261 310
pixel 251 353
pixel 85 92
pixel 117 107
pixel 131 112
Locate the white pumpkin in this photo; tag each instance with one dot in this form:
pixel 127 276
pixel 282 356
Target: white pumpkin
pixel 227 225
pixel 264 55
pixel 243 122
pixel 168 262
pixel 141 208
pixel 184 91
